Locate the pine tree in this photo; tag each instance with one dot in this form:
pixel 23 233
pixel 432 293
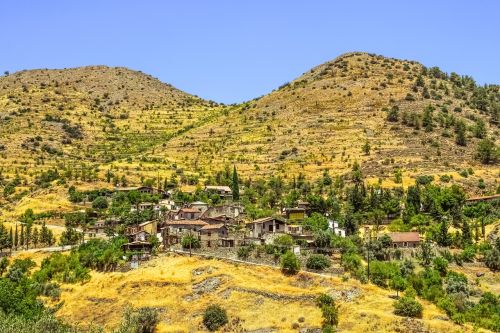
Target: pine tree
pixel 460 131
pixel 35 237
pixel 235 185
pixel 427 119
pixel 466 233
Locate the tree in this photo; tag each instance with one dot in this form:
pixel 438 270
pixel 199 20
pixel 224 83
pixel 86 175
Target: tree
pixel 441 265
pixel 408 306
pixel 366 148
pixel 398 283
pixel 460 129
pixel 190 241
pixel 426 253
pixel 318 261
pixel 4 263
pixel 214 317
pixel 393 114
pixel 289 263
pixel 100 203
pixel 427 119
pixel 480 129
pixel 235 185
pixel 398 176
pixel 486 151
pixel 329 310
pixel 442 237
pixel 466 233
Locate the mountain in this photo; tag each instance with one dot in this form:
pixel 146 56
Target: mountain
pixel 89 114
pixel 385 113
pixel 323 119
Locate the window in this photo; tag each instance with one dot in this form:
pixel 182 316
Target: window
pixel 270 227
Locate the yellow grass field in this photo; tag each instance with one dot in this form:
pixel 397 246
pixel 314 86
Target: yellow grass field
pixel 256 298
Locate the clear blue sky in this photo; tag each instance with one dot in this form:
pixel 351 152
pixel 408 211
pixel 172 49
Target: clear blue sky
pixel 230 51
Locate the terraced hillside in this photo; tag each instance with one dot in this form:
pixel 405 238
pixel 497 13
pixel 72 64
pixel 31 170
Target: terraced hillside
pixel 323 119
pixel 89 115
pixel 388 114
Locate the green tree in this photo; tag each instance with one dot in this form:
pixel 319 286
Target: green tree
pixel 486 151
pixel 100 203
pixel 393 114
pixel 366 148
pixel 460 130
pixel 235 185
pixel 398 283
pixel 290 264
pixel 427 120
pixel 480 129
pixel 214 317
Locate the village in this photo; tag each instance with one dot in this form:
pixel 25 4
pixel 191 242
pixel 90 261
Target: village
pixel 224 228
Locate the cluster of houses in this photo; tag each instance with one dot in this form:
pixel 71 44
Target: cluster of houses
pixel 225 225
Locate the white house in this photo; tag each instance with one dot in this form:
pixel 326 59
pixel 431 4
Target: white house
pixel 334 227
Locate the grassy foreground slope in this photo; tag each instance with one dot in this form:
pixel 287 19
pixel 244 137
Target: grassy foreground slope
pixel 256 298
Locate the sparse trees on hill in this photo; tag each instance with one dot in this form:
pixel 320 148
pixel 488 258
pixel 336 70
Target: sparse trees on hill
pixel 460 130
pixel 486 151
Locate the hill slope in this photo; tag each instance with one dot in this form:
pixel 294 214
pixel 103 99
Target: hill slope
pixel 323 119
pixel 89 114
pixel 115 118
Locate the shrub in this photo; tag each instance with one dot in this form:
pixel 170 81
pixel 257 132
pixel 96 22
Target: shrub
pixel 214 317
pixel 244 252
pixel 142 320
pixel 290 263
pixel 318 261
pixel 408 306
pixel 441 265
pixel 190 241
pixel 100 203
pixel 329 310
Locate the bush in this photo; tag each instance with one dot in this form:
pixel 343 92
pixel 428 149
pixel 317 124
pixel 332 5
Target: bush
pixel 441 265
pixel 100 203
pixel 290 263
pixel 142 320
pixel 408 306
pixel 329 310
pixel 318 261
pixel 214 317
pixel 244 252
pixel 190 242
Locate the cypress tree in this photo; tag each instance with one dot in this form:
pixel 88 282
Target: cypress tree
pixel 16 239
pixel 21 239
pixel 466 233
pixel 235 186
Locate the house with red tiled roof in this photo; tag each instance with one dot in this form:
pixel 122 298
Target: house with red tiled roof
pixel 405 239
pixel 213 235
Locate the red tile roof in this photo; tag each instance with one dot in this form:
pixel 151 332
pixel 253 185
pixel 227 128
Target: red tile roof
pixel 399 237
pixel 186 222
pixel 212 226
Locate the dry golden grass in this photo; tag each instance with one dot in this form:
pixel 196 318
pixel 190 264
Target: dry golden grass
pixel 165 282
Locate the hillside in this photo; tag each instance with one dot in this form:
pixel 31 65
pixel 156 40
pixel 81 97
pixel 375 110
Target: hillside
pixel 258 299
pixel 93 123
pixel 89 115
pixel 321 121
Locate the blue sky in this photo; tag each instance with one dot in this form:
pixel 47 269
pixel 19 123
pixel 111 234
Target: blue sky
pixel 230 51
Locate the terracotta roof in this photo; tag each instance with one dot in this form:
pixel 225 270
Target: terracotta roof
pixel 190 210
pixel 186 222
pixel 212 226
pixel 398 237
